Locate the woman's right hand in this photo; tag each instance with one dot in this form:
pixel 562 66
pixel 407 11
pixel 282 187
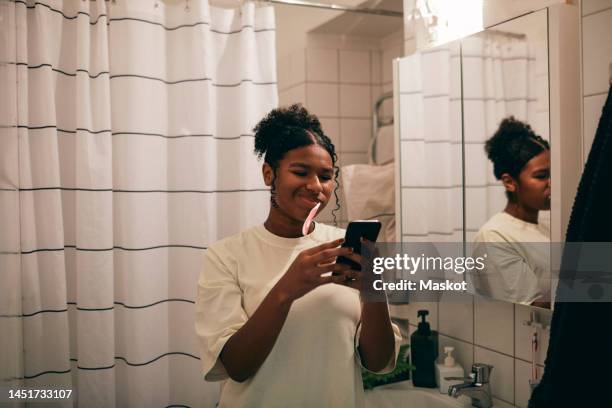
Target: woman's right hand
pixel 305 272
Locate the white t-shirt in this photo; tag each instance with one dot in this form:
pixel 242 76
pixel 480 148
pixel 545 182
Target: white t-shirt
pixel 314 361
pixel 517 266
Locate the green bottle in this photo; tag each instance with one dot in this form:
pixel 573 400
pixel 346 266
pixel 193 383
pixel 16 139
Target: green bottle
pixel 424 353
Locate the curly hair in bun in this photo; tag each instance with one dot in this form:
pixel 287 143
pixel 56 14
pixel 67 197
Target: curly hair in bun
pixel 512 146
pixel 288 128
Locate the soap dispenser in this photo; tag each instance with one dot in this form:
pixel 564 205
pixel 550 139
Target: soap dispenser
pixel 448 369
pixel 423 353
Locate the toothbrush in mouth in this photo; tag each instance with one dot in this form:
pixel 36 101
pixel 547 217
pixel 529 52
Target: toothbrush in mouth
pixel 309 219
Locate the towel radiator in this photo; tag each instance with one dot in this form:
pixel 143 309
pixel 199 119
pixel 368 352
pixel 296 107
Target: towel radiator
pixel 378 122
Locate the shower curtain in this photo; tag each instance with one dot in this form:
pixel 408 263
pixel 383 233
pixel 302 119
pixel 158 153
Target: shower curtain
pixel 430 129
pixel 500 78
pixel 129 151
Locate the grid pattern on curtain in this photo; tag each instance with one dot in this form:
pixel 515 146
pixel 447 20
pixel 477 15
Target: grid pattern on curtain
pixel 135 153
pixel 430 142
pixel 500 78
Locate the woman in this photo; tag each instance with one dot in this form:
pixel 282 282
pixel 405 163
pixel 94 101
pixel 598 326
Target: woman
pixel 269 323
pixel 516 243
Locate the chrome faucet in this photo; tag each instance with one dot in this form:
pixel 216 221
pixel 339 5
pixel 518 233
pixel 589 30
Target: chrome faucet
pixel 476 386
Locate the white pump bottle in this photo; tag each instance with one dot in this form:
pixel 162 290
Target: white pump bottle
pixel 448 369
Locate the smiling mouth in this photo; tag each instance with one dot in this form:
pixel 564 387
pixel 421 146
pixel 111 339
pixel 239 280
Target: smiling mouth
pixel 310 201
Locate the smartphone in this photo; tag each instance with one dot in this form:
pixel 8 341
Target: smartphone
pixel 368 229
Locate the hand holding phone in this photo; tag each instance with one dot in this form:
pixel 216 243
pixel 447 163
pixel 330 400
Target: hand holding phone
pixel 368 229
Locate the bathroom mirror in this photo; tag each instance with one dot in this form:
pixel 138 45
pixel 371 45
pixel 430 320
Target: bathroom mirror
pixel 507 159
pixel 452 99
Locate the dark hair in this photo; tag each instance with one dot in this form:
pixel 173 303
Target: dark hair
pixel 512 146
pixel 288 128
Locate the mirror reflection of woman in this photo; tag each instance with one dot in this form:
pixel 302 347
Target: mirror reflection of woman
pixel 272 322
pixel 516 240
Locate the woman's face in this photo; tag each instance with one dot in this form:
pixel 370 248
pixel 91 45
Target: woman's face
pixel 533 187
pixel 305 176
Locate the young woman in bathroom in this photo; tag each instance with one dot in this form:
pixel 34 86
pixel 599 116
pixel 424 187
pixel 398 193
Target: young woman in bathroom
pixel 269 324
pixel 515 240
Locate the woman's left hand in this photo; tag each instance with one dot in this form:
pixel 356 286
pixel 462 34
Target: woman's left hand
pixel 361 280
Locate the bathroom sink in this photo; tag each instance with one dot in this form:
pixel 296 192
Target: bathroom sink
pixel 406 395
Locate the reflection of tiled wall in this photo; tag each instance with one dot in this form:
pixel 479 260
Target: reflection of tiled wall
pixel 339 79
pixel 596 60
pixel 539 90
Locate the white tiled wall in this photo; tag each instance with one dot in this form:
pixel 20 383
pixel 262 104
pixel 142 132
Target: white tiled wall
pixel 339 79
pixel 490 314
pixel 502 376
pixel 594 6
pixel 331 126
pixel 456 313
pixel 321 65
pixel 355 101
pixel 322 99
pixel 355 67
pixel 355 134
pixel 489 332
pixel 596 60
pixel 522 392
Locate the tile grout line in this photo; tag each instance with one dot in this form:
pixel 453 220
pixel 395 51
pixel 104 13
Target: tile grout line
pixel 596 12
pixel 345 117
pixel 483 347
pixel 595 94
pixel 456 338
pixel 503 400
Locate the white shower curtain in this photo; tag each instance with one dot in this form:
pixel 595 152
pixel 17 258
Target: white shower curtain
pixel 499 80
pixel 430 140
pixel 133 128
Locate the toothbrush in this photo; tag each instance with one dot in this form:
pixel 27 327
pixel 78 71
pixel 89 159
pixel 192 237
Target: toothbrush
pixel 309 219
